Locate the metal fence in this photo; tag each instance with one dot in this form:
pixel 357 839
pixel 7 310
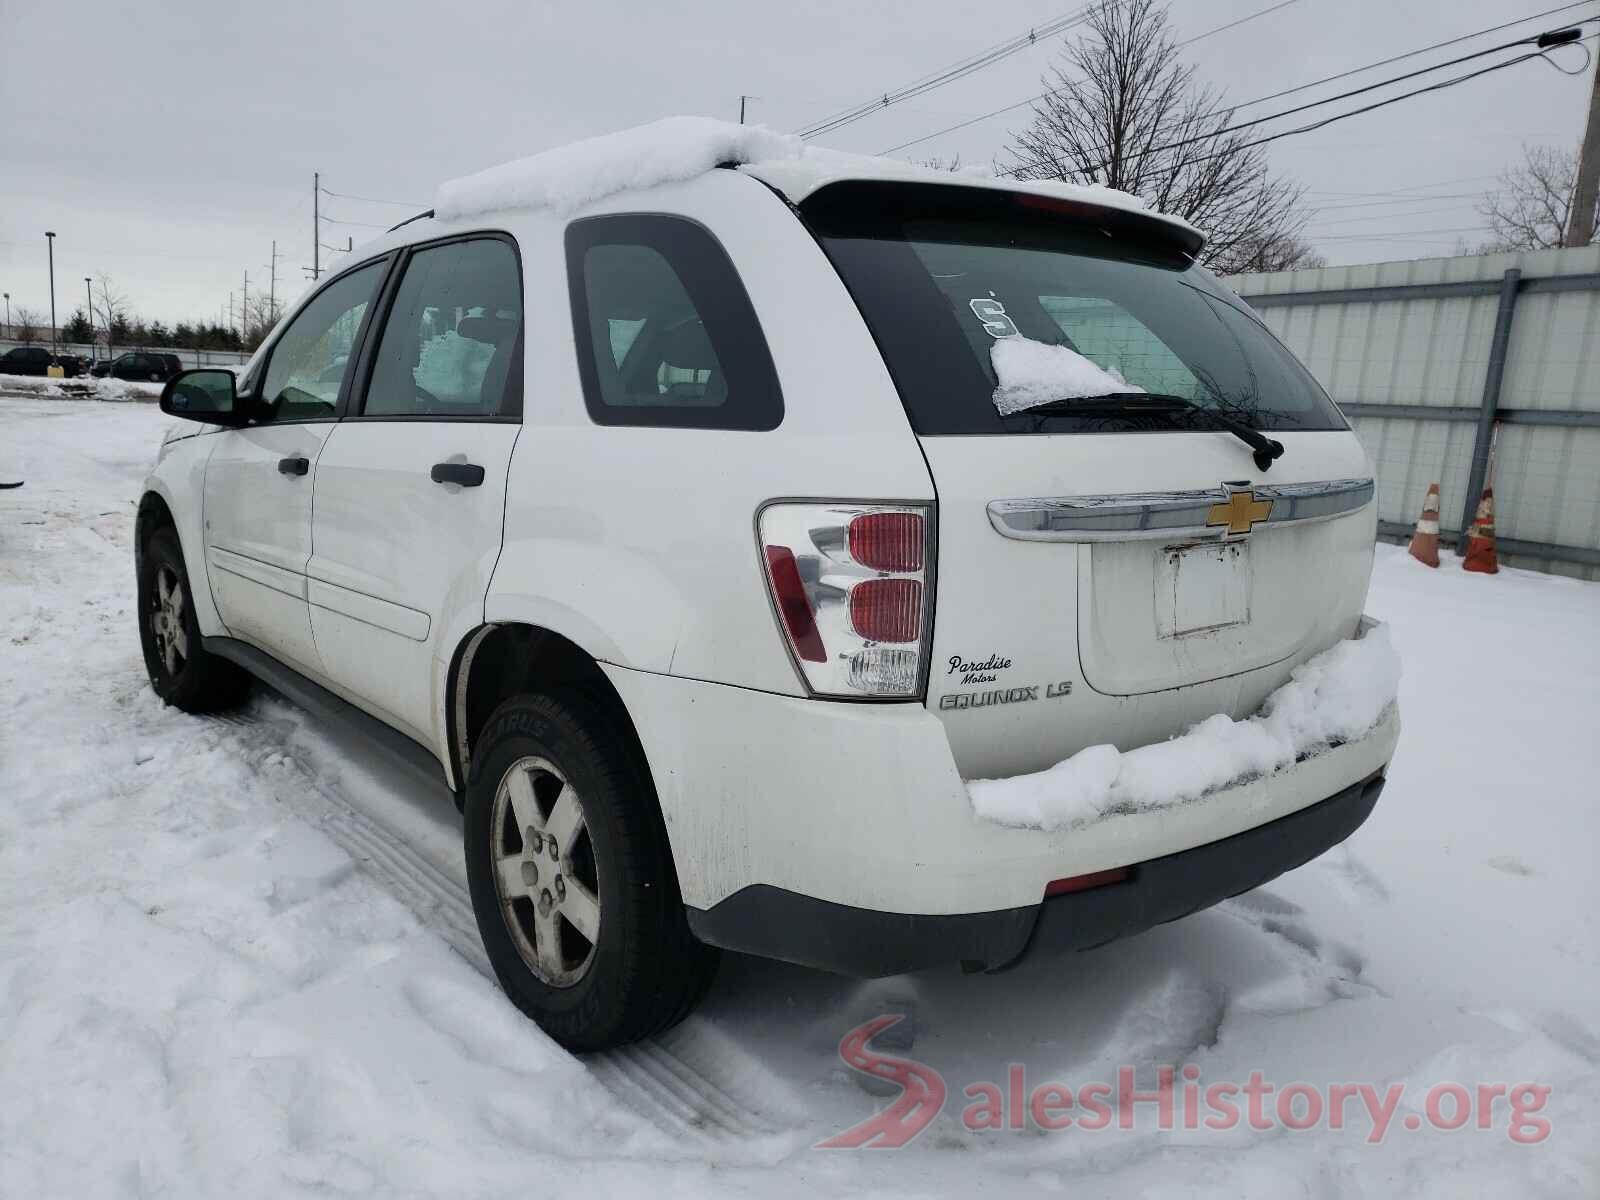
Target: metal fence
pixel 190 358
pixel 1442 363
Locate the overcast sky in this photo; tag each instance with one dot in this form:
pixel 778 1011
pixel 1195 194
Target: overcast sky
pixel 168 143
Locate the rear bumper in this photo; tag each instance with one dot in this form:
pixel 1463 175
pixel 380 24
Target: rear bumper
pixel 777 923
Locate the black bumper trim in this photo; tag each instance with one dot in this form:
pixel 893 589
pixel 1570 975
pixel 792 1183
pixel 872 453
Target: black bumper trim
pixel 776 923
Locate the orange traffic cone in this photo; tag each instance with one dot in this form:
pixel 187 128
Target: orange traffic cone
pixel 1480 539
pixel 1425 541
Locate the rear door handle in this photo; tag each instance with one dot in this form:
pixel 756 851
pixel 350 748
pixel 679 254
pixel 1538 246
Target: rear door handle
pixel 466 474
pixel 293 466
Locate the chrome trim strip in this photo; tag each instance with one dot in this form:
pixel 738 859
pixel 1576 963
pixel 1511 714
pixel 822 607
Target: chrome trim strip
pixel 1137 516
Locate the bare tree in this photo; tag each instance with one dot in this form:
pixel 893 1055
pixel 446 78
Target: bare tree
pixel 1124 110
pixel 110 310
pixel 26 323
pixel 1275 252
pixel 260 315
pixel 1529 210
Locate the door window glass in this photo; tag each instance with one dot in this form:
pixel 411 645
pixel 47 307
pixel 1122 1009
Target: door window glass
pixel 310 361
pixel 451 343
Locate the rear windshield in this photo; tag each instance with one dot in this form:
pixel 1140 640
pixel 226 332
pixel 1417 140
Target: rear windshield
pixel 942 274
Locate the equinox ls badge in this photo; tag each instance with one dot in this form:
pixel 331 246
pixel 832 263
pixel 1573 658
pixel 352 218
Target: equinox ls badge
pixel 1239 512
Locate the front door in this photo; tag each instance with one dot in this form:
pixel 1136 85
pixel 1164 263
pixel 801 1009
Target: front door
pixel 411 485
pixel 259 478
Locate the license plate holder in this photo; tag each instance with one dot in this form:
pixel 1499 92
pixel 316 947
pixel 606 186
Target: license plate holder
pixel 1202 588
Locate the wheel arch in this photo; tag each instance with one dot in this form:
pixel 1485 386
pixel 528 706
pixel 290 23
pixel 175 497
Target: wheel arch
pixel 154 513
pixel 499 659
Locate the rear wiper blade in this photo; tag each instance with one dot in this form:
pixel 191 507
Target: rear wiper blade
pixel 1266 449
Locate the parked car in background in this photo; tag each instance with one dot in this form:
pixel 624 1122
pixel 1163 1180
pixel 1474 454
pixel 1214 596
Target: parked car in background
pixel 140 364
pixel 35 360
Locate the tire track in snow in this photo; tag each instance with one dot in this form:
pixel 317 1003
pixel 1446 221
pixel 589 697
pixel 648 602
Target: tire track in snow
pixel 691 1082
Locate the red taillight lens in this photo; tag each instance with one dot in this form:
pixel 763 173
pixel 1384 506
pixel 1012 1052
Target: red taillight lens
pixel 887 610
pixel 793 606
pixel 887 541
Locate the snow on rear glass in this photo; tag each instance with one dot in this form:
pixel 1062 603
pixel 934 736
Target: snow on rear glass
pixel 1031 373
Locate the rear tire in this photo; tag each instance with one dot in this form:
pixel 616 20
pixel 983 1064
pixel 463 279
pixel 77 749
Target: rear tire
pixel 590 939
pixel 181 671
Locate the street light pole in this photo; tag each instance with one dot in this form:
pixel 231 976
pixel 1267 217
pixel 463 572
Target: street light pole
pixel 89 313
pixel 50 240
pixel 8 310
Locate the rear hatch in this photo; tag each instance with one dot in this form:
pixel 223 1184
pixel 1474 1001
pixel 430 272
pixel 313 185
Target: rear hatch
pixel 1114 562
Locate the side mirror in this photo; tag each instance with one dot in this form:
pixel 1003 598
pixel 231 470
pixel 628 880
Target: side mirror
pixel 206 395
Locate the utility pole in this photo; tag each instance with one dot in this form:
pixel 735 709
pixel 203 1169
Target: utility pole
pixel 1580 222
pixel 244 307
pixel 316 225
pixel 8 310
pixel 89 312
pixel 50 240
pixel 272 286
pixel 742 99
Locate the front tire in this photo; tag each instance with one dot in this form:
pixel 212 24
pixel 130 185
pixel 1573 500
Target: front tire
pixel 181 671
pixel 571 876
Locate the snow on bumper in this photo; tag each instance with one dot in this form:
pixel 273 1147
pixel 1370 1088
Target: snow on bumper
pixel 1339 695
pixel 862 805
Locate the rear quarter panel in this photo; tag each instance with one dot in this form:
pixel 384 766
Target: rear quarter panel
pixel 639 543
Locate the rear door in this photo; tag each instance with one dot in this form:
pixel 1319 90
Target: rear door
pixel 410 488
pixel 1109 569
pixel 258 483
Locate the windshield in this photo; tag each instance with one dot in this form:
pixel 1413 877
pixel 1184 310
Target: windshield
pixel 943 274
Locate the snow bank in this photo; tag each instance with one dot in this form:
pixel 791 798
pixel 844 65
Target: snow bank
pixel 1337 696
pixel 82 388
pixel 1031 373
pixel 570 176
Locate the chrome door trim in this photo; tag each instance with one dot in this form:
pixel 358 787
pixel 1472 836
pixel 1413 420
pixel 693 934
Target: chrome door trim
pixel 1137 516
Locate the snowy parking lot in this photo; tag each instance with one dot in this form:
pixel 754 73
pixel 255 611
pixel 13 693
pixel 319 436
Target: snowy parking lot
pixel 237 956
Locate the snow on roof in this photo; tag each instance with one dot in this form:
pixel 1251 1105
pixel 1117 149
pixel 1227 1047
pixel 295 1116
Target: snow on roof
pixel 568 177
pixel 675 149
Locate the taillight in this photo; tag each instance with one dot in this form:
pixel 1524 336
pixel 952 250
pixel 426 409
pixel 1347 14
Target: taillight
pixel 850 586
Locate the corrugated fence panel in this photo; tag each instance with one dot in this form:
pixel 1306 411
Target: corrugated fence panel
pixel 1423 349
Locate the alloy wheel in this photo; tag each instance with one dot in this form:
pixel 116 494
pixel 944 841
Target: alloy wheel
pixel 166 621
pixel 544 871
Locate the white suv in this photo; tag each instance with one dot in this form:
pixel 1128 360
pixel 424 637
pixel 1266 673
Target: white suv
pixel 688 539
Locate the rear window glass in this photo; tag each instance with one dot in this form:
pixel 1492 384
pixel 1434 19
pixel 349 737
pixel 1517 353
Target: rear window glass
pixel 666 333
pixel 942 274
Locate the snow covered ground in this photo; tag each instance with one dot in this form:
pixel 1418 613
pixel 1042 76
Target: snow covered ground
pixel 236 957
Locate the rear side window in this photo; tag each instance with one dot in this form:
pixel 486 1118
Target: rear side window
pixel 665 331
pixel 451 345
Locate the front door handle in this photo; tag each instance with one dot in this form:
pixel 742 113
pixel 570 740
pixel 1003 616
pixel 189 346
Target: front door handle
pixel 466 474
pixel 293 466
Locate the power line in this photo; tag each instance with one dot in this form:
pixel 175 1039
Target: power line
pixel 949 74
pixel 1382 83
pixel 1033 99
pixel 369 199
pixel 1275 95
pixel 1385 62
pixel 363 224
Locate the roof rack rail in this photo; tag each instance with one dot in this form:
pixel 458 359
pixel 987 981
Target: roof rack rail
pixel 421 216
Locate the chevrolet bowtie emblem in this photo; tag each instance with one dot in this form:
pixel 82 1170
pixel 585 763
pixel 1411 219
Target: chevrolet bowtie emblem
pixel 1239 512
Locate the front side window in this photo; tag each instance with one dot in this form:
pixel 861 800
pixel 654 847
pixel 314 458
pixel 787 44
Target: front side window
pixel 451 345
pixel 665 330
pixel 310 361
